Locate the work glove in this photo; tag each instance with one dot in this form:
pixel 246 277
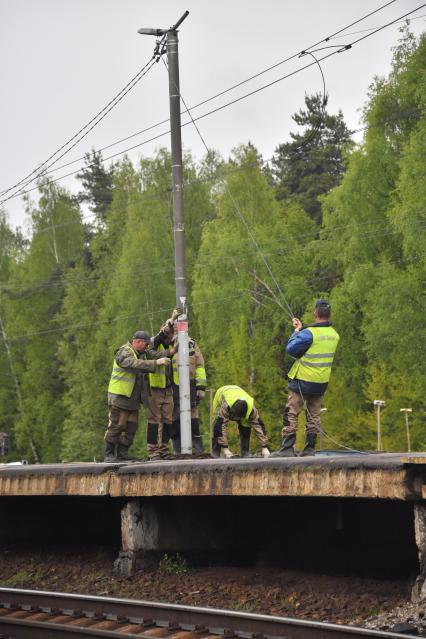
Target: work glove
pixel 163 361
pixel 200 395
pixel 265 452
pixel 176 313
pixel 227 453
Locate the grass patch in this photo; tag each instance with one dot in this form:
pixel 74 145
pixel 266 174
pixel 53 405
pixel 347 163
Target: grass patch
pixel 173 565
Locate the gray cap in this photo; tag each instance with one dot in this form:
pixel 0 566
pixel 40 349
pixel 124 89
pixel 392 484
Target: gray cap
pixel 142 335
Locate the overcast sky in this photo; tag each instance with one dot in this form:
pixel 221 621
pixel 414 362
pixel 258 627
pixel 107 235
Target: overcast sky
pixel 62 61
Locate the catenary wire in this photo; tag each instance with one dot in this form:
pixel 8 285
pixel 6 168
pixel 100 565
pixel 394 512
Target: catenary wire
pixel 228 89
pixel 375 27
pixel 232 102
pixel 143 197
pixel 240 214
pixel 208 113
pixel 46 166
pixel 84 131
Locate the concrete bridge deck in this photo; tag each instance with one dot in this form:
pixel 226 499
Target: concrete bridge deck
pixel 361 509
pixel 397 476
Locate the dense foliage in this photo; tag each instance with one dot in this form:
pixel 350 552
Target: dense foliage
pixel 328 218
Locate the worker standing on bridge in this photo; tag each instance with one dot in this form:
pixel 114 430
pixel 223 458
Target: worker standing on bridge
pixel 127 387
pixel 232 403
pixel 160 398
pixel 314 347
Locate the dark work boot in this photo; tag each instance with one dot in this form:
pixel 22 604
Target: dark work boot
pixel 197 440
pixel 309 449
pixel 123 453
pixel 197 444
pixel 216 448
pixel 287 447
pixel 110 454
pixel 176 445
pixel 245 432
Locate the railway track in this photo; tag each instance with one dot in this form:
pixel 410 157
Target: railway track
pixel 28 614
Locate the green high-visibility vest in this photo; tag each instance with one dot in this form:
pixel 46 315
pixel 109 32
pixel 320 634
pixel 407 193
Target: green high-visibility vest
pixel 158 380
pixel 200 376
pixel 315 365
pixel 232 394
pixel 175 370
pixel 122 381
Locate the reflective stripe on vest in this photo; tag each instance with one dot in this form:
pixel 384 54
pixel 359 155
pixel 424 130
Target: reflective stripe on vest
pixel 315 365
pixel 122 382
pixel 158 380
pixel 200 373
pixel 200 376
pixel 232 394
pixel 175 370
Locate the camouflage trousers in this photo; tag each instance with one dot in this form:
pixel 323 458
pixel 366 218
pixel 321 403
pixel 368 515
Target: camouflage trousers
pixel 220 428
pixel 160 416
pixel 122 426
pixel 293 408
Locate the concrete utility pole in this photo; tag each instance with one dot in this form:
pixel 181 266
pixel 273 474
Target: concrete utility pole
pixel 178 228
pixel 407 425
pixel 379 403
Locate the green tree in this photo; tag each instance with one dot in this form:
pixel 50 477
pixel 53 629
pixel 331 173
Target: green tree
pixel 373 223
pixel 243 315
pixel 313 162
pixel 33 299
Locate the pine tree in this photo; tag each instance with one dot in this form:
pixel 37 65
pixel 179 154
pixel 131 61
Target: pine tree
pixel 313 162
pixel 97 183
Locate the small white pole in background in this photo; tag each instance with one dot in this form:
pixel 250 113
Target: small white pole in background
pixel 407 425
pixel 379 403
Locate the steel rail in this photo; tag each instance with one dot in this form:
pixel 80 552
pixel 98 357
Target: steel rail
pixel 28 614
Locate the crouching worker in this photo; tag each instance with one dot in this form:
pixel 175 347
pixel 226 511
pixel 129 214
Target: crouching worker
pixel 232 403
pixel 127 387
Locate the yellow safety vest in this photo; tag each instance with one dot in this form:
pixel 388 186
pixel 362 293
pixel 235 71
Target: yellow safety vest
pixel 232 394
pixel 158 380
pixel 315 365
pixel 122 381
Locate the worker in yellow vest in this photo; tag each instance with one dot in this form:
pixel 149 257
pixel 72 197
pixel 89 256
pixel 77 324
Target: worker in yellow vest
pixel 127 387
pixel 313 347
pixel 160 397
pixel 232 403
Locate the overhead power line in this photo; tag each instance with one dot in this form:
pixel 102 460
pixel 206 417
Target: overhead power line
pixel 83 131
pixel 143 197
pixel 254 76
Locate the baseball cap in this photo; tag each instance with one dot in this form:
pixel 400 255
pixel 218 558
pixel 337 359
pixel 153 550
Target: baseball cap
pixel 142 335
pixel 322 304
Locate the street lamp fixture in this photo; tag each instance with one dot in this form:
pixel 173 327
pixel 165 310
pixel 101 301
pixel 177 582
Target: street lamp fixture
pixel 379 403
pixel 407 426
